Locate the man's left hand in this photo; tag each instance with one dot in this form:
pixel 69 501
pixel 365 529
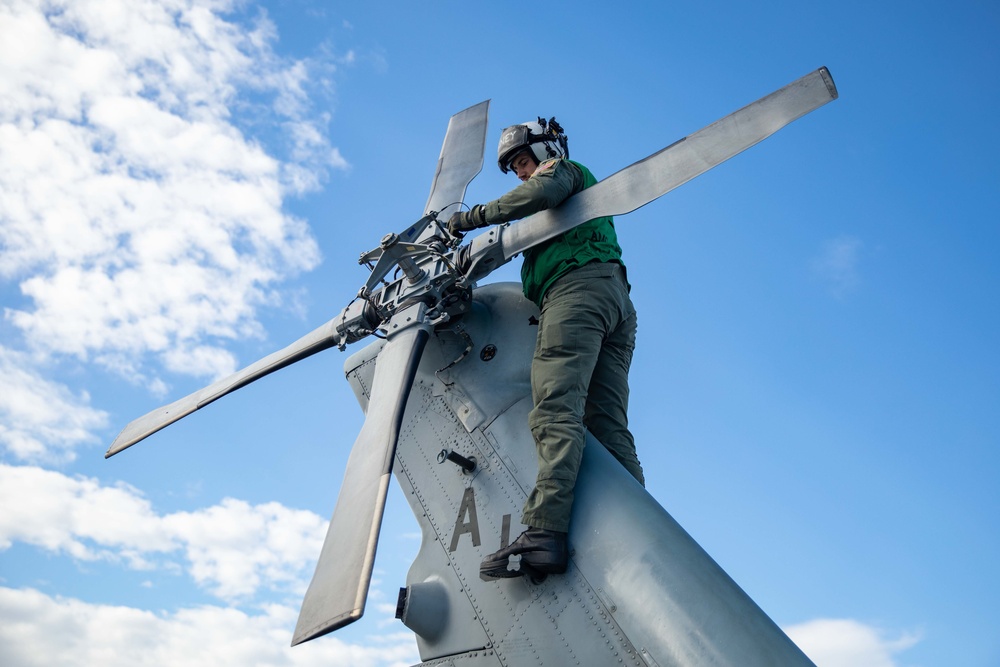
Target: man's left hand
pixel 465 221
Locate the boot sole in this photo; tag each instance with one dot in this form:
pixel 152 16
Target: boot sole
pixel 521 567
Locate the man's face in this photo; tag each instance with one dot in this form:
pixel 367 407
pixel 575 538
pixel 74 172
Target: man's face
pixel 524 165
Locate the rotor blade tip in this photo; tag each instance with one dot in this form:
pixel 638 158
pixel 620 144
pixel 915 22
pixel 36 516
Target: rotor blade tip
pixel 112 450
pixel 828 80
pixel 116 448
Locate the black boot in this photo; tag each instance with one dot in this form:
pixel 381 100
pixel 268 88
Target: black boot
pixel 541 552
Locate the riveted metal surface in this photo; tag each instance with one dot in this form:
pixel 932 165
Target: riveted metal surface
pixel 505 615
pixel 638 592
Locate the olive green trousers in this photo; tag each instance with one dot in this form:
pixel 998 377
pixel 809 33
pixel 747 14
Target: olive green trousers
pixel 579 380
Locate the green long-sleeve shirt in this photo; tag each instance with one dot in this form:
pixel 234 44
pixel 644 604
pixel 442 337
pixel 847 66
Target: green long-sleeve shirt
pixel 595 240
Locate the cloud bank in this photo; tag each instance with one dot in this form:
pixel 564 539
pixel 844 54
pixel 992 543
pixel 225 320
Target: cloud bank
pixel 42 420
pixel 137 218
pixel 79 634
pixel 231 550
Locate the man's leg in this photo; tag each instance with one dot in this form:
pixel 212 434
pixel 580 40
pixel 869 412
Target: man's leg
pixel 571 330
pixel 606 415
pixel 577 316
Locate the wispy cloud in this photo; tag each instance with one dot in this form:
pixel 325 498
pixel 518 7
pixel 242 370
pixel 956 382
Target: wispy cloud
pixel 231 549
pixel 115 636
pixel 837 265
pixel 41 420
pixel 137 217
pixel 149 150
pixel 849 643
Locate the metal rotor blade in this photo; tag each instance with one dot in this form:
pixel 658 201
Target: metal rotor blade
pixel 339 588
pixel 658 174
pixel 461 159
pixel 318 340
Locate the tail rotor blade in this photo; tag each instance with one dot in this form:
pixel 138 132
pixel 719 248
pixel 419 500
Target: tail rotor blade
pixel 461 158
pixel 339 588
pixel 658 174
pixel 318 340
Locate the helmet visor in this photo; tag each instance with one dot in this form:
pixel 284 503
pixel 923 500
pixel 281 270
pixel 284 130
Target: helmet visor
pixel 512 141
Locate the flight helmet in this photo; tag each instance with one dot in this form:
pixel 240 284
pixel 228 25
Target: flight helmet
pixel 545 139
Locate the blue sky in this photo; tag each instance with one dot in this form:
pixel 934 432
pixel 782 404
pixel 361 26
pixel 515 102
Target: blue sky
pixel 185 187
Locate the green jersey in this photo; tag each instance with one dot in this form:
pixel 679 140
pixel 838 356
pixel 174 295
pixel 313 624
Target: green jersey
pixel 593 241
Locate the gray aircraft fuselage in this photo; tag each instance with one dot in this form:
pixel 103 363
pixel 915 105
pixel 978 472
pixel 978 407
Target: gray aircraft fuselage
pixel 639 590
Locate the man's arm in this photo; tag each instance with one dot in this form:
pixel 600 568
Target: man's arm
pixel 551 184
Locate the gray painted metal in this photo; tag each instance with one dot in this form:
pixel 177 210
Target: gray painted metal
pixel 639 590
pixel 339 588
pixel 648 179
pixel 460 161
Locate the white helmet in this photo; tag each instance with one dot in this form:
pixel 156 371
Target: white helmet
pixel 545 139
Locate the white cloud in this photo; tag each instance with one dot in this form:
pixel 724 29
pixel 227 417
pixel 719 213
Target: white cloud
pixel 37 630
pixel 837 264
pixel 848 643
pixel 137 217
pixel 235 547
pixel 41 420
pixel 231 549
